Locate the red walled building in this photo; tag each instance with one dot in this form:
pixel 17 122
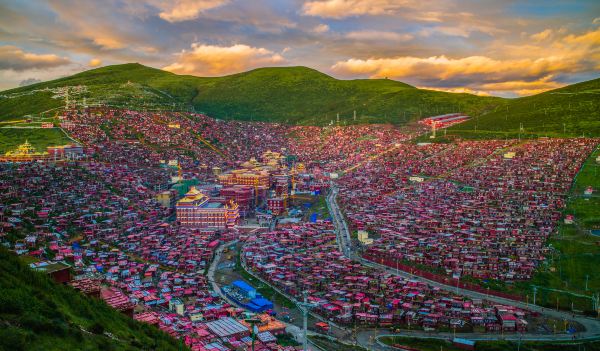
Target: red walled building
pixel 276 205
pixel 243 195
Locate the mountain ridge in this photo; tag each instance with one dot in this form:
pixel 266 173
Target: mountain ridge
pixel 305 96
pixel 297 94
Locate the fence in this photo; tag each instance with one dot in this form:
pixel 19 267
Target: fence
pixel 440 278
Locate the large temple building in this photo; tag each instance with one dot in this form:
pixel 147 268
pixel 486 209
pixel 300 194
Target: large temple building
pixel 27 153
pixel 24 153
pixel 197 210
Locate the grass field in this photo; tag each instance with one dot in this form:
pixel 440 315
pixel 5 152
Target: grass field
pixel 264 289
pixel 578 256
pixel 10 138
pixel 319 207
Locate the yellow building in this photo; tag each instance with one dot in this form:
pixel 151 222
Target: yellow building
pixel 196 210
pixel 24 153
pixel 363 237
pixel 273 158
pixel 253 177
pixel 166 198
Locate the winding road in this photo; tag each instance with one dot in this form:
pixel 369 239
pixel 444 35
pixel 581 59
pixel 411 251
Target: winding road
pixel 293 329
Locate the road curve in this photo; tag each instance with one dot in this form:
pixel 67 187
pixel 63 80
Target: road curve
pixel 293 329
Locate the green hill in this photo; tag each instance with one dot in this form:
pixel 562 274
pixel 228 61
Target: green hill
pixel 38 314
pixel 300 95
pixel 570 111
pixel 287 94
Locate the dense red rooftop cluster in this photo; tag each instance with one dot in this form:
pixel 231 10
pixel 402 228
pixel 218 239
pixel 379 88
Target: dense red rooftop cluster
pixel 478 208
pixel 304 259
pixel 488 216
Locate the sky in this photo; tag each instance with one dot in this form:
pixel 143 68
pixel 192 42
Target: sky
pixel 504 48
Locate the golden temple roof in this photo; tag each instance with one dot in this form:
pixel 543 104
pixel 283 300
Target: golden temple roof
pixel 25 149
pixel 194 195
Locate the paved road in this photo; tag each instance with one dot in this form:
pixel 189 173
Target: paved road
pixel 213 267
pixel 592 325
pixel 293 329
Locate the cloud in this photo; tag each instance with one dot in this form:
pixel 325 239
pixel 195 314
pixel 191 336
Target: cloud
pixel 523 87
pixel 543 35
pixel 348 8
pixel 321 28
pixel 530 68
pixel 459 90
pixel 214 60
pixel 378 35
pixel 28 81
pixel 185 10
pixel 588 39
pixel 95 62
pixel 108 42
pixel 13 58
pixel 444 68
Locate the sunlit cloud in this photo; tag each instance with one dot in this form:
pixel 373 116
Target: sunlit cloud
pixel 185 10
pixel 13 58
pixel 95 62
pixel 347 8
pixel 444 68
pixel 531 72
pixel 378 35
pixel 523 87
pixel 485 47
pixel 458 90
pixel 543 35
pixel 110 43
pixel 321 28
pixel 211 60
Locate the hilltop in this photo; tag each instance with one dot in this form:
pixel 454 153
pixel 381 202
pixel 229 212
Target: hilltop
pixel 38 314
pixel 296 95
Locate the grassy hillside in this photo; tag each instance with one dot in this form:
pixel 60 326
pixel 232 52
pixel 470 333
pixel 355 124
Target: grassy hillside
pixel 300 95
pixel 570 111
pixel 39 138
pixel 288 94
pixel 38 314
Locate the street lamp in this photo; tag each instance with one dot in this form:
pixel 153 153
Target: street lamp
pixel 253 322
pixel 304 308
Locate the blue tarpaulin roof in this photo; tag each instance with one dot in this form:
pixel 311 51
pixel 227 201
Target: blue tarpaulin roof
pixel 240 284
pixel 464 341
pixel 262 302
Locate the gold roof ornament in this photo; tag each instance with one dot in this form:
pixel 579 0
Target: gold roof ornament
pixel 25 149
